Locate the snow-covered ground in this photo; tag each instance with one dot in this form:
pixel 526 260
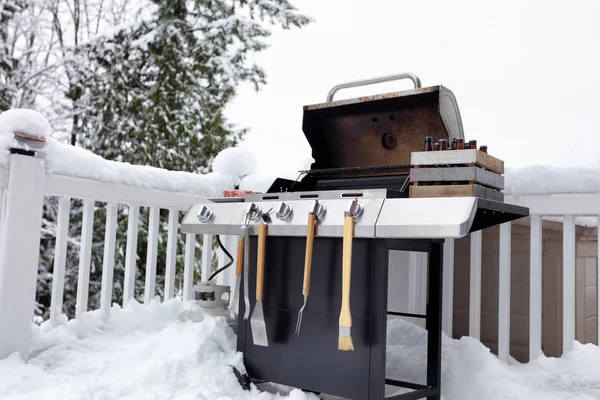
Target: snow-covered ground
pixel 154 353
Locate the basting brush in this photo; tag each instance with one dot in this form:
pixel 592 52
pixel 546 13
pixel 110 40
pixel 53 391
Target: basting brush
pixel 345 336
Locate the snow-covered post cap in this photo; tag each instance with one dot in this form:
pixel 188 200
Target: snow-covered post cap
pixel 29 128
pixel 235 162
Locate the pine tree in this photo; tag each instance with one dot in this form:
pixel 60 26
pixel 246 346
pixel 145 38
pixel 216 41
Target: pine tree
pixel 165 83
pixel 7 11
pixel 155 92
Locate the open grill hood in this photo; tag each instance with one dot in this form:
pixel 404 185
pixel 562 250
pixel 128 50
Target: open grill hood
pixel 383 217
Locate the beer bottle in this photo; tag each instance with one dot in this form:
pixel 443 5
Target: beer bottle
pixel 436 146
pixel 443 144
pixel 428 143
pixel 483 148
pixel 460 144
pixel 473 144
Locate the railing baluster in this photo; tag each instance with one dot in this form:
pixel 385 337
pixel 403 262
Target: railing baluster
pixel 417 271
pixel 188 268
pixel 150 286
pixel 171 254
pixel 504 266
pixel 108 262
pixel 221 278
pixel 60 258
pixel 85 256
pixel 475 286
pixel 206 257
pixel 232 247
pixel 448 290
pixel 131 254
pixel 2 208
pixel 568 282
pixel 535 290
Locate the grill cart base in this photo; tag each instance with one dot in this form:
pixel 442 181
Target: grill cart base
pixel 311 360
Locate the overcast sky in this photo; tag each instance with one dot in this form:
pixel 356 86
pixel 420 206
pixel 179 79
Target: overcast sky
pixel 526 74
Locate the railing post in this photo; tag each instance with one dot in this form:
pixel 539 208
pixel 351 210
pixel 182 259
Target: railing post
pixel 535 288
pixel 19 251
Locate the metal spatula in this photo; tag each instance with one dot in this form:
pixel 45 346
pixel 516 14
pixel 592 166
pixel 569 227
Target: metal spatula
pixel 257 321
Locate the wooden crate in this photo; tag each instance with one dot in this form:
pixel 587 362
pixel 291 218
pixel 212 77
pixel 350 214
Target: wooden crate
pixel 469 190
pixel 457 157
pixel 446 175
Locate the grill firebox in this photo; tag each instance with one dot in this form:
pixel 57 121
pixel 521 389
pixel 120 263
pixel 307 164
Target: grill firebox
pixel 362 151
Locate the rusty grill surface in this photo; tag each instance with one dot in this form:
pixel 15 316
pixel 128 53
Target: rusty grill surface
pixel 379 130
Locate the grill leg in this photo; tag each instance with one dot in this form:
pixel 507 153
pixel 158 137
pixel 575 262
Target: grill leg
pixel 434 320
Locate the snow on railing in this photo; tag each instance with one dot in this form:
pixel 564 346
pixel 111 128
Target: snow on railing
pixel 33 165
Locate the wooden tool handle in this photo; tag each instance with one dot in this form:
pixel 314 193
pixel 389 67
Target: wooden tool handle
pixel 260 261
pixel 240 257
pixel 347 262
pixel 310 238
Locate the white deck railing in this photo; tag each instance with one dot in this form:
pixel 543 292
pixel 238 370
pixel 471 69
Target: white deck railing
pixel 20 187
pixel 18 236
pixel 565 206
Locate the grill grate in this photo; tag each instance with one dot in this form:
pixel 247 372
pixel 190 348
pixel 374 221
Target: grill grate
pixel 348 172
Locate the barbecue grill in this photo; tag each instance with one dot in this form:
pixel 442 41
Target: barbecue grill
pixel 362 150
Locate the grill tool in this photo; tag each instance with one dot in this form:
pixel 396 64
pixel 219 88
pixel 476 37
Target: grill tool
pixel 238 276
pixel 257 321
pixel 252 212
pixel 345 337
pixel 310 237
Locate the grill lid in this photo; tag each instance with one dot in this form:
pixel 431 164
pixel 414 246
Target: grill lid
pixel 382 129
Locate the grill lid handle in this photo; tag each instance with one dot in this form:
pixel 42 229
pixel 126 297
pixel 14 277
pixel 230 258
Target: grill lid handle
pixel 372 81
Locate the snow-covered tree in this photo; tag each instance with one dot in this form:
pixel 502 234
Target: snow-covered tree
pixel 166 81
pixel 145 82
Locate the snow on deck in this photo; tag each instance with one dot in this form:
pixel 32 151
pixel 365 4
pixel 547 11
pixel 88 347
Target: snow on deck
pixel 151 352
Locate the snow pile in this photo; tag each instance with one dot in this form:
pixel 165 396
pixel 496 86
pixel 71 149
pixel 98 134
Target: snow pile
pixel 471 372
pixel 61 159
pixel 235 162
pixel 152 352
pixel 143 352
